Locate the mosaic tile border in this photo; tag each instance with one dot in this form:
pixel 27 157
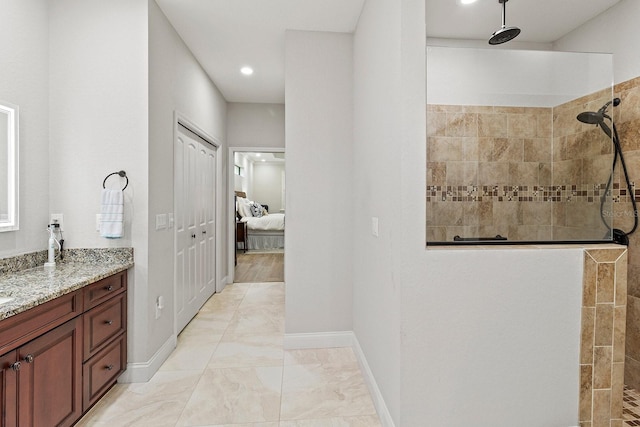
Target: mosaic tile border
pixel 590 193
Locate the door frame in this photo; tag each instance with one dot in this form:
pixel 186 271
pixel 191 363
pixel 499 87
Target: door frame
pixel 231 199
pixel 180 119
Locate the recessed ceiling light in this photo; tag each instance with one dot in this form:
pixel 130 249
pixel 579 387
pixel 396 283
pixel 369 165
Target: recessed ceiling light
pixel 258 155
pixel 247 71
pixel 263 160
pixel 467 1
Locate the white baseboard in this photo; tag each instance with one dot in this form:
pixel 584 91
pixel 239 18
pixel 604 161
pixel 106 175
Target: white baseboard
pixel 378 400
pixel 344 339
pixel 140 372
pixel 318 340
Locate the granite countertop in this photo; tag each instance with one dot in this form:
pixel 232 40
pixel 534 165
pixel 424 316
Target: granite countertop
pixel 31 287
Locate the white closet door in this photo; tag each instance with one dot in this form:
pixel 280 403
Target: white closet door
pixel 194 226
pixel 208 222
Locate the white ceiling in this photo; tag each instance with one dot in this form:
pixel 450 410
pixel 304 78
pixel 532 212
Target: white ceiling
pixel 541 21
pixel 266 157
pixel 225 35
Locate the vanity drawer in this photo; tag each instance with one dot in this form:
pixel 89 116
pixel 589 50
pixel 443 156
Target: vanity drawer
pixel 23 327
pixel 104 289
pixel 102 371
pixel 103 323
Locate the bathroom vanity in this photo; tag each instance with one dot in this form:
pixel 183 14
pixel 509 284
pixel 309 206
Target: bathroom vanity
pixel 63 341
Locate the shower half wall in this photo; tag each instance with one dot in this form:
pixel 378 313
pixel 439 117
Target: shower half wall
pixel 505 154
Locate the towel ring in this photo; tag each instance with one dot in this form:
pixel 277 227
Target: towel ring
pixel 123 174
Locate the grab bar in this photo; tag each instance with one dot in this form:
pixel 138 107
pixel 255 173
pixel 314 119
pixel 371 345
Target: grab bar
pixel 474 239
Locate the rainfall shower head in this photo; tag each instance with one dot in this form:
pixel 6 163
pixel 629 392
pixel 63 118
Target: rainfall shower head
pixel 504 34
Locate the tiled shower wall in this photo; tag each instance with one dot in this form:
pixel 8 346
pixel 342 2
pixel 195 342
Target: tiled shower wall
pixel 602 341
pixel 528 174
pixel 627 117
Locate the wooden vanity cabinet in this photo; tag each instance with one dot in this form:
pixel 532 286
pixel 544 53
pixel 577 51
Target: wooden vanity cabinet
pixel 105 339
pixel 42 379
pixel 8 390
pixel 52 368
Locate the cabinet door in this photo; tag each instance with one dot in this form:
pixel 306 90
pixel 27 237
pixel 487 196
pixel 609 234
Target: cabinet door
pixel 8 390
pixel 50 377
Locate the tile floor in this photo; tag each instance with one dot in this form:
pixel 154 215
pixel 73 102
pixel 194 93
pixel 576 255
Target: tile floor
pixel 230 369
pixel 631 407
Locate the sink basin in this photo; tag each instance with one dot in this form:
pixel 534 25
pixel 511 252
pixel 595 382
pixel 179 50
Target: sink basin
pixel 4 300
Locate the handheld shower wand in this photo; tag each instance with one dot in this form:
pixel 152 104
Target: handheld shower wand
pixel 597 118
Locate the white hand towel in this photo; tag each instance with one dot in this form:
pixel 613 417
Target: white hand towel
pixel 112 210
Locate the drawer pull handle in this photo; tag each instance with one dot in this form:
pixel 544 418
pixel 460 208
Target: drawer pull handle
pixel 108 322
pixel 108 288
pixel 108 367
pixel 15 366
pixel 28 358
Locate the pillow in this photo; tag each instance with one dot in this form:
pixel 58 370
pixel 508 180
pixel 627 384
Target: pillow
pixel 243 207
pixel 256 209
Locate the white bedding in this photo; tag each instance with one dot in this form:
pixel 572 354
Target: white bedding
pixel 264 223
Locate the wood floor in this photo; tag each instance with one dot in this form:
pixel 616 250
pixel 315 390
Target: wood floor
pixel 256 268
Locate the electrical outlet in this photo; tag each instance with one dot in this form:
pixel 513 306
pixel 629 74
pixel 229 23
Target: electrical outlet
pixel 98 221
pixel 57 218
pixel 374 226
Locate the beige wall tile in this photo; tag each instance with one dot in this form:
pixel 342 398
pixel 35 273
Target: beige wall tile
pixel 621 281
pixel 602 357
pixel 507 150
pixel 436 173
pixel 617 389
pixel 604 325
pixel 589 281
pixel 522 125
pixel 605 283
pixel 436 123
pixel 524 173
pixel 586 391
pixel 492 125
pixel 588 325
pixel 605 255
pixel 462 124
pixel 545 124
pixel 443 149
pixel 619 332
pixel 493 173
pixel 632 373
pixel 537 149
pixel 601 408
pixel 632 342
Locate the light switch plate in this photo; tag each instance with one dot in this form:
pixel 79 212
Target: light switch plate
pixel 161 221
pixel 374 226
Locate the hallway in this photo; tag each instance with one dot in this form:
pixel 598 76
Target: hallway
pixel 230 369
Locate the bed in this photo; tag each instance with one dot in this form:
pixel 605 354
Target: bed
pixel 265 231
